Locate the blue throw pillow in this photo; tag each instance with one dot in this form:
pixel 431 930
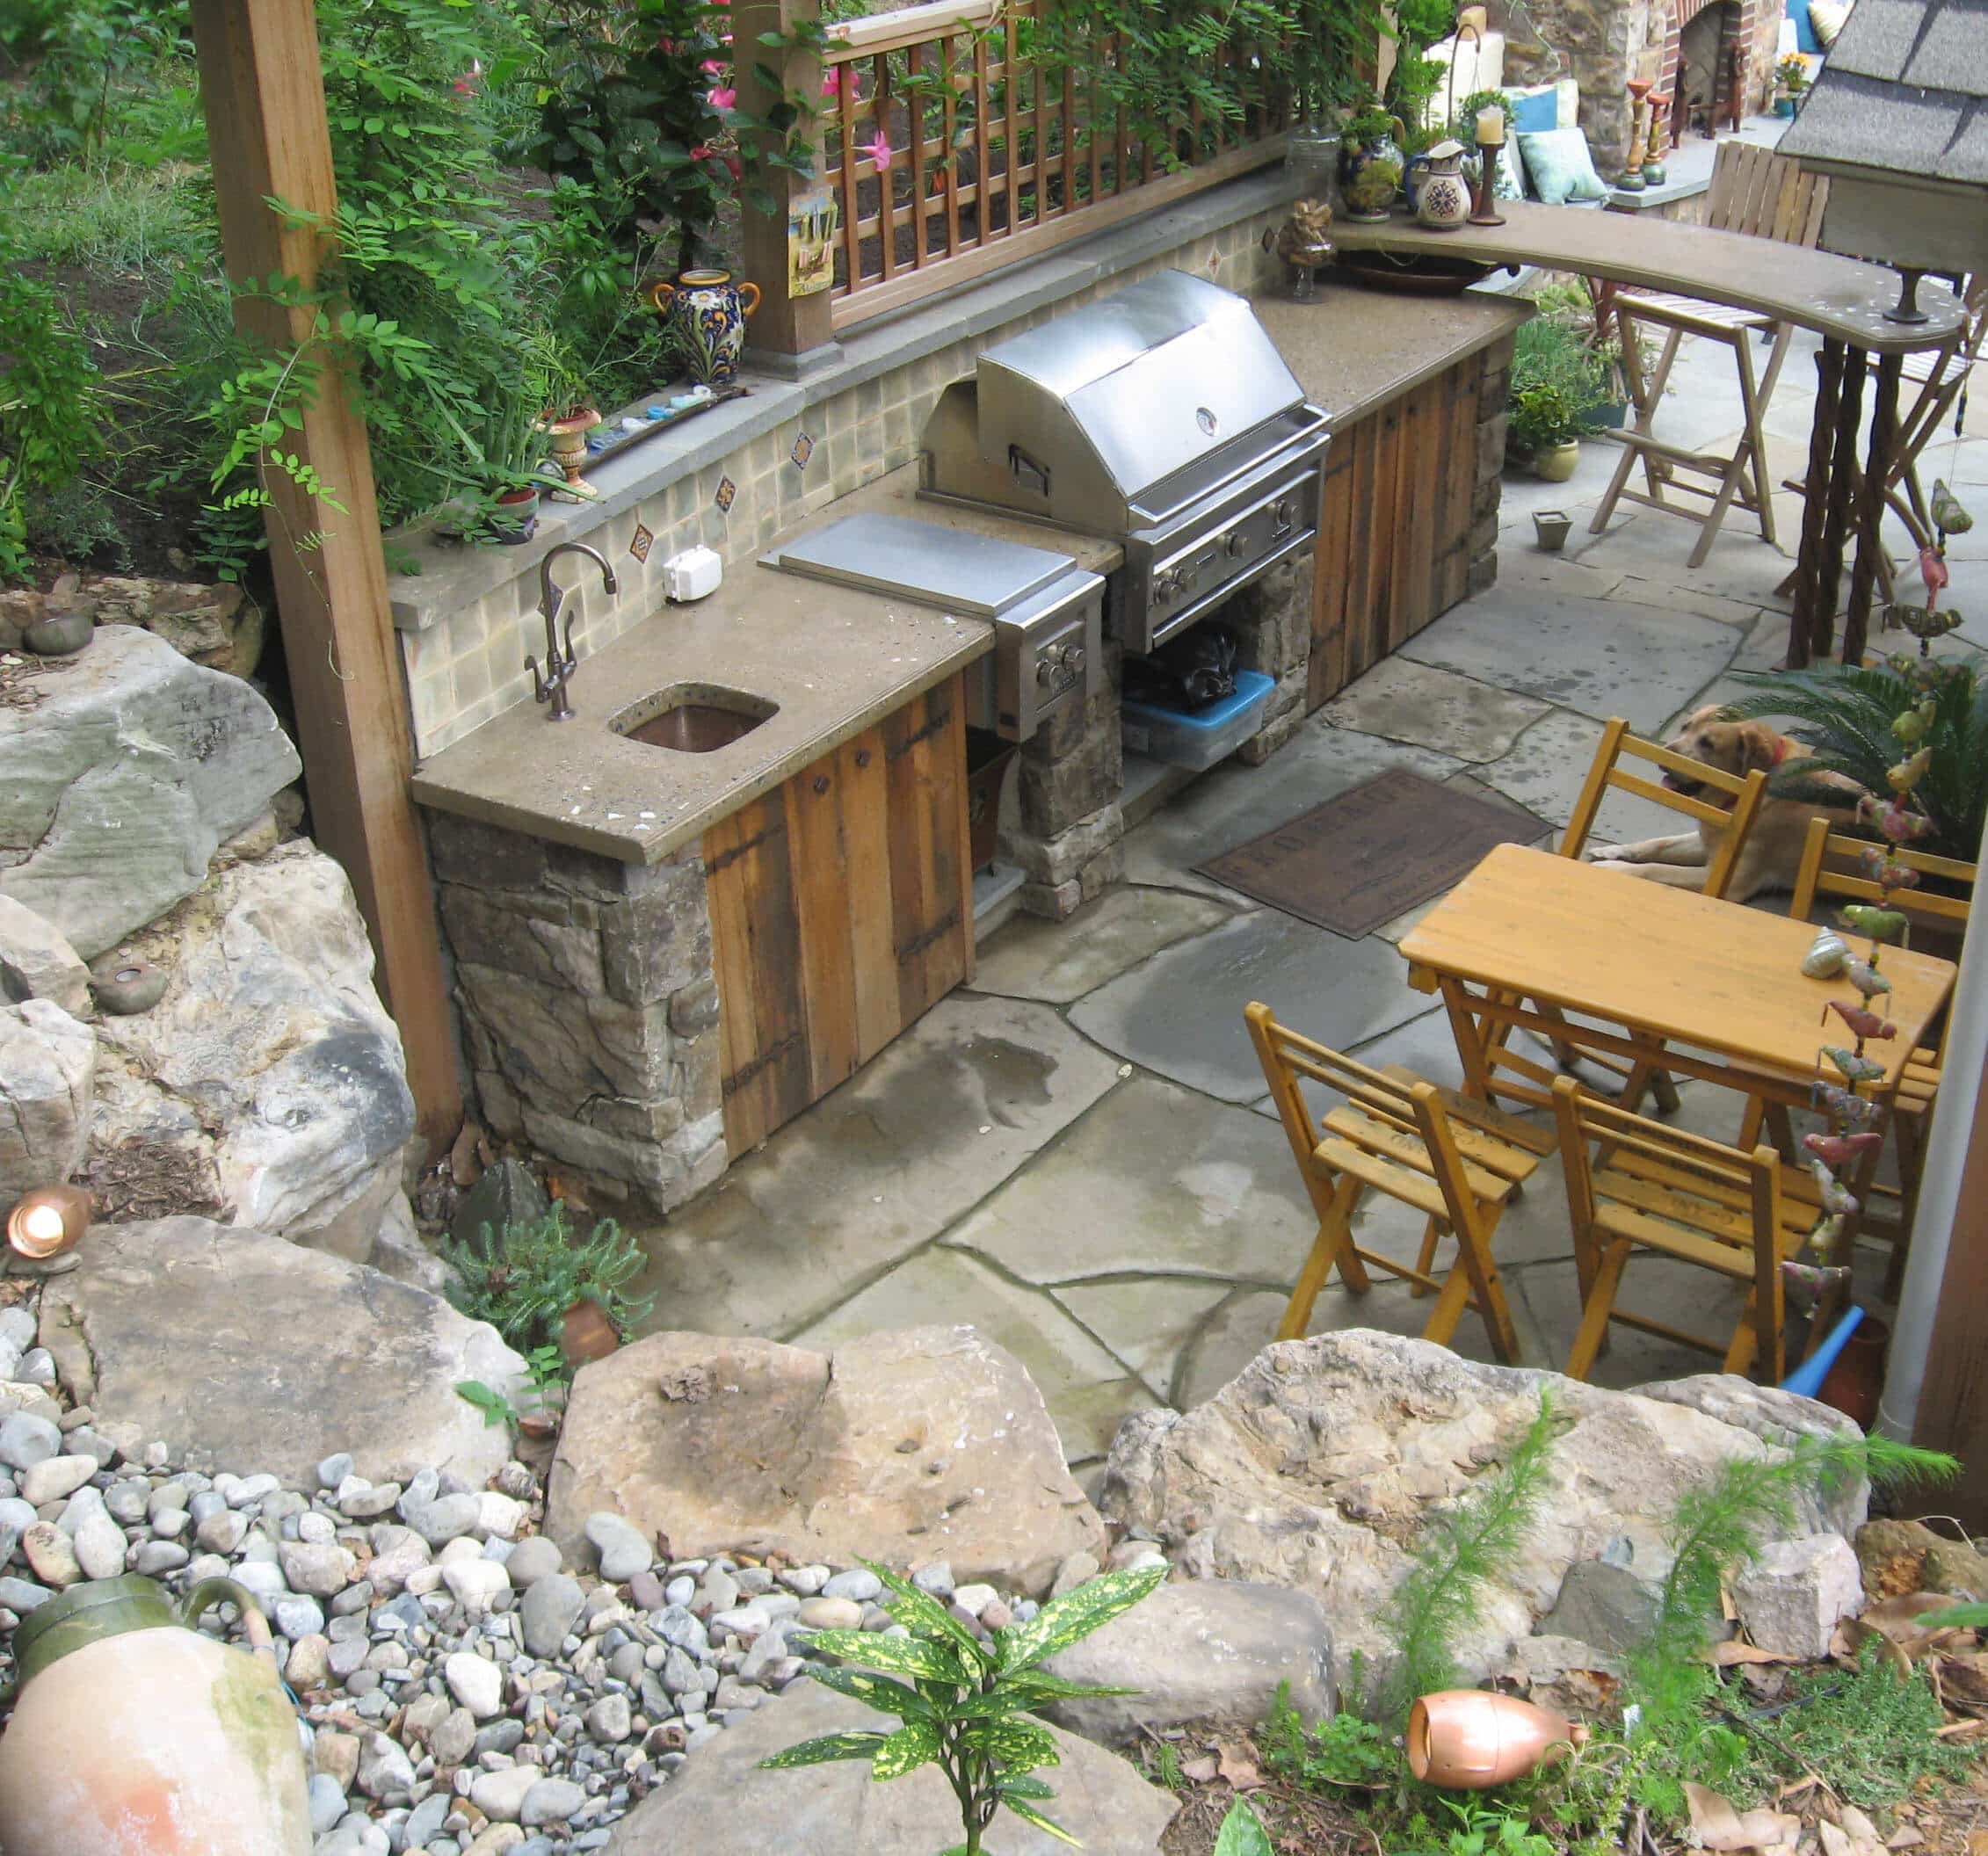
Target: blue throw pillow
pixel 1560 167
pixel 1534 111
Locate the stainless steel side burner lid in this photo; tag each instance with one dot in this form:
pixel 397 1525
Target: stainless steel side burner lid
pixel 1163 418
pixel 1046 612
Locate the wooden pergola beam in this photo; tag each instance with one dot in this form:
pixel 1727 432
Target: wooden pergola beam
pixel 263 91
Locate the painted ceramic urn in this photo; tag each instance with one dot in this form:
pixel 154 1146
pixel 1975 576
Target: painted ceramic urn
pixel 707 312
pixel 133 1734
pixel 1445 199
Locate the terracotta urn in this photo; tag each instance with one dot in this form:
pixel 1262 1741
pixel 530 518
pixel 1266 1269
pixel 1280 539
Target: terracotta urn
pixel 1469 1739
pixel 586 1334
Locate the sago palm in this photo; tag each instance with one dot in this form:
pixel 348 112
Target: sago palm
pixel 1844 714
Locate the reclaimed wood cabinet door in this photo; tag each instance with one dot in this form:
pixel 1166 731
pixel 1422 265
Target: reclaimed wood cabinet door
pixel 841 910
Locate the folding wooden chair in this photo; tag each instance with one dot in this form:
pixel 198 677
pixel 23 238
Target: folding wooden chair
pixel 1455 1161
pixel 1674 1194
pixel 1753 191
pixel 1827 870
pixel 1745 793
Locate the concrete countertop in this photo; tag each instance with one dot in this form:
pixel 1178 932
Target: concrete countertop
pixel 834 659
pixel 1353 349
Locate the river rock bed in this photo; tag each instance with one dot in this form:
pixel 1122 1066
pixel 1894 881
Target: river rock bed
pixel 463 1690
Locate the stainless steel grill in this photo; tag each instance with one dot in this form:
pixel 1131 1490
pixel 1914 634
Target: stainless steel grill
pixel 1162 418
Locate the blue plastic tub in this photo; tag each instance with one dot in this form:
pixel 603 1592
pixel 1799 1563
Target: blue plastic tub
pixel 1199 740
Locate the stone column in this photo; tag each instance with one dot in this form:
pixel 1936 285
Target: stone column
pixel 1494 390
pixel 1271 620
pixel 588 1006
pixel 1071 775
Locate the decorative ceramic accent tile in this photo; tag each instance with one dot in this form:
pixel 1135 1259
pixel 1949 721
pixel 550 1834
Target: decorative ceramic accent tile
pixel 803 449
pixel 641 541
pixel 727 492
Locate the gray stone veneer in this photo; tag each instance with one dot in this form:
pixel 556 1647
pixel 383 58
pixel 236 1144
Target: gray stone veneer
pixel 588 1006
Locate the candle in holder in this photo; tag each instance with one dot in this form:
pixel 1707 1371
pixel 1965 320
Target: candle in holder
pixel 1491 142
pixel 1490 126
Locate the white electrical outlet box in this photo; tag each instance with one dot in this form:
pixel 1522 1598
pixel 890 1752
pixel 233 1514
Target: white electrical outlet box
pixel 693 574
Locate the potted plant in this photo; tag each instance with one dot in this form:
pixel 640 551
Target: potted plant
pixel 1791 84
pixel 1556 377
pixel 498 498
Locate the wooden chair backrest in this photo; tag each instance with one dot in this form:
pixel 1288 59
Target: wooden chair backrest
pixel 1758 192
pixel 1745 792
pixel 1814 877
pixel 1754 1178
pixel 1288 1055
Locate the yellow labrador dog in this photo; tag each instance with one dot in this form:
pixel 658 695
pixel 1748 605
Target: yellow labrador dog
pixel 1772 853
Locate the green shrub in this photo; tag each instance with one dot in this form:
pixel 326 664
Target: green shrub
pixel 1557 379
pixel 523 1280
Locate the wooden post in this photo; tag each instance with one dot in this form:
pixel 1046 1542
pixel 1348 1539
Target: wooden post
pixel 262 91
pixel 1870 507
pixel 1802 627
pixel 1952 1408
pixel 1842 487
pixel 785 328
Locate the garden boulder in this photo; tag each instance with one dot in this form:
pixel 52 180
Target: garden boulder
pixel 236 1350
pixel 721 1805
pixel 120 783
pixel 1322 1465
pixel 47 1074
pixel 37 963
pixel 905 1448
pixel 268 1084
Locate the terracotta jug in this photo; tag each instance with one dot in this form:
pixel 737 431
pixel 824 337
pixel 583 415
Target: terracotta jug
pixel 1468 1739
pixel 135 1735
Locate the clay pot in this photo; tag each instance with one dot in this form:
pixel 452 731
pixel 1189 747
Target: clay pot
pixel 1556 463
pixel 125 987
pixel 1551 526
pixel 1856 1381
pixel 586 1334
pixel 1468 1739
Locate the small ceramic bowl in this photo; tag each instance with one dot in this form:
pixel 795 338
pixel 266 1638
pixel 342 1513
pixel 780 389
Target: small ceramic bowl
pixel 61 635
pixel 125 987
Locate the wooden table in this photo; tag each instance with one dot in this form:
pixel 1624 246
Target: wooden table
pixel 1698 986
pixel 1841 299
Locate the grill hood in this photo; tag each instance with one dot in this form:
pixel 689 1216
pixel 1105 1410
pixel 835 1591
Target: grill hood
pixel 1110 416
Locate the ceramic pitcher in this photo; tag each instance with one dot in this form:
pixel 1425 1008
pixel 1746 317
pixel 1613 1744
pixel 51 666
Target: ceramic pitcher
pixel 135 1735
pixel 706 311
pixel 1444 200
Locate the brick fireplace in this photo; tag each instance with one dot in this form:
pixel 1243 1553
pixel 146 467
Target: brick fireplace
pixel 1712 47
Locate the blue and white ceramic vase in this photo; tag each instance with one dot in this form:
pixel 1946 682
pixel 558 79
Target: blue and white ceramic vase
pixel 706 311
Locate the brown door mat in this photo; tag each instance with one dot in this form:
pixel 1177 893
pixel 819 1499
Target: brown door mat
pixel 1361 859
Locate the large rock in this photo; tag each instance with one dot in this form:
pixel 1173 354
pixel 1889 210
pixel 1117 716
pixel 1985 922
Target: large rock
pixel 240 1352
pixel 47 1072
pixel 931 1443
pixel 1200 1649
pixel 216 625
pixel 719 1806
pixel 268 1084
pixel 1321 1465
pixel 117 788
pixel 37 963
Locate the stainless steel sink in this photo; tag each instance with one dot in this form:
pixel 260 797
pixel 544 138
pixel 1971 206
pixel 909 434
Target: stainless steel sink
pixel 692 718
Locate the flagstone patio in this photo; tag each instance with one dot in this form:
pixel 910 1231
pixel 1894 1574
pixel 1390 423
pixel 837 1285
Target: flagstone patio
pixel 1077 1155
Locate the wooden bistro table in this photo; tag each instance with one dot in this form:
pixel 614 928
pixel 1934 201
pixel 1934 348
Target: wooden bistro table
pixel 1841 299
pixel 1703 988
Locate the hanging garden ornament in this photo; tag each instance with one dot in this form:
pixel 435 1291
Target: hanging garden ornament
pixel 1949 513
pixel 1863 1021
pixel 1897 824
pixel 1932 569
pixel 1841 1104
pixel 1879 868
pixel 1841 1150
pixel 1836 1197
pixel 1908 772
pixel 1864 975
pixel 1822 1240
pixel 1807 1283
pixel 1856 1069
pixel 1924 624
pixel 1881 925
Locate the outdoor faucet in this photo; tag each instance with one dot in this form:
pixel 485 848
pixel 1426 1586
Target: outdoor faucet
pixel 551 687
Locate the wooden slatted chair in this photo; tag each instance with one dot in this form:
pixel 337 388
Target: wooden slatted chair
pixel 1455 1161
pixel 1744 794
pixel 1827 871
pixel 1756 191
pixel 1660 1190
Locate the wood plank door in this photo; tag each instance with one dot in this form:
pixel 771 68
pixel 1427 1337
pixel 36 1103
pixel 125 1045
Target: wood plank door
pixel 841 910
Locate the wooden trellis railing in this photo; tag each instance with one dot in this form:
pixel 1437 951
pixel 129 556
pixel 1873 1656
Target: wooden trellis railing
pixel 952 154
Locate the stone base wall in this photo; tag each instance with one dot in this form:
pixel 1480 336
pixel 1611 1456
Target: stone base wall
pixel 1494 394
pixel 1271 619
pixel 1068 780
pixel 588 1006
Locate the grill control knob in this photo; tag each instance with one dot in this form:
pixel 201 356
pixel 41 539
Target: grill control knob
pixel 1286 512
pixel 1238 542
pixel 1073 659
pixel 1165 585
pixel 1046 671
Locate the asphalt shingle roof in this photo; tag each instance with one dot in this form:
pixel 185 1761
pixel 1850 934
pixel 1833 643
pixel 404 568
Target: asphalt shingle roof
pixel 1904 91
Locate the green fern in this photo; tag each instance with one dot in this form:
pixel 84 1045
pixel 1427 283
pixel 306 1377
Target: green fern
pixel 1470 1545
pixel 1846 715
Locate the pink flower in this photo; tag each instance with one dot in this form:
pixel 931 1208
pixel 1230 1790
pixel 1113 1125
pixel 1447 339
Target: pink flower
pixel 723 99
pixel 880 151
pixel 831 82
pixel 701 152
pixel 713 67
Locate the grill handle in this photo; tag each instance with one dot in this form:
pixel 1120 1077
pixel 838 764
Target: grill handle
pixel 1312 428
pixel 1030 472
